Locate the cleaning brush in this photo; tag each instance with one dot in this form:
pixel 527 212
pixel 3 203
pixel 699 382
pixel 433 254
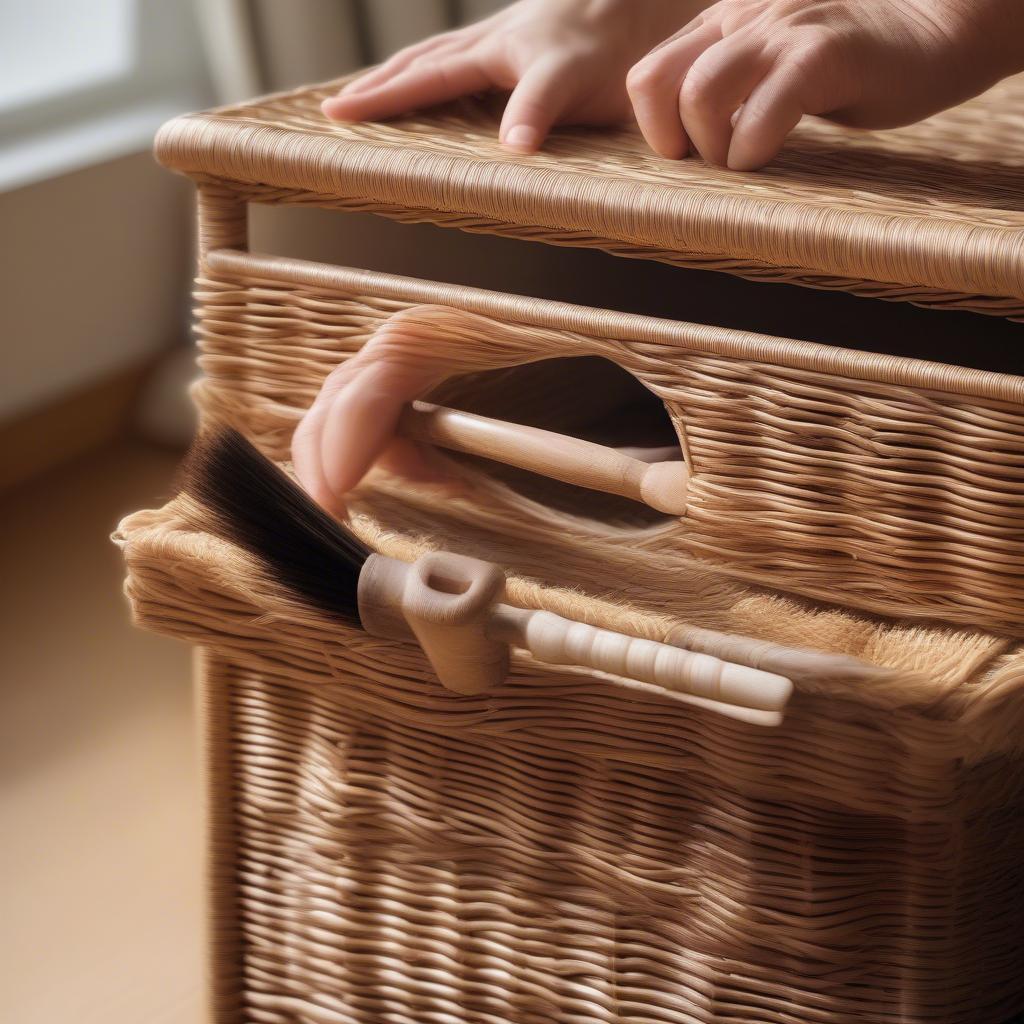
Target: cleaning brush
pixel 449 603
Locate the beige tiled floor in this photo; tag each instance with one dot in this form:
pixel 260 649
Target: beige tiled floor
pixel 99 823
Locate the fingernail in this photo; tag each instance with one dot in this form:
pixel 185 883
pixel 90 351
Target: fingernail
pixel 522 136
pixel 329 107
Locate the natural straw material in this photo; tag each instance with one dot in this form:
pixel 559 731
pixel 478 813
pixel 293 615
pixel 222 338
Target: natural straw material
pixel 809 465
pixel 559 850
pixel 931 213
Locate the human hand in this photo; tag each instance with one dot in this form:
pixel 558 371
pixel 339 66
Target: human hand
pixel 352 425
pixel 565 62
pixel 731 83
pixel 735 81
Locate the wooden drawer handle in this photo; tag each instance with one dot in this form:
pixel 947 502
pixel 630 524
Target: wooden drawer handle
pixel 661 485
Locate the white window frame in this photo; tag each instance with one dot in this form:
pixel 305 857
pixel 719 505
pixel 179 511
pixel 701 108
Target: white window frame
pixel 114 115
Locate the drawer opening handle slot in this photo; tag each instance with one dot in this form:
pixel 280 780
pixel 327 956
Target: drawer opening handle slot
pixel 639 474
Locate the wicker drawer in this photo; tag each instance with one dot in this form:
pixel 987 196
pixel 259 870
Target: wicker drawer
pixel 555 849
pixel 810 465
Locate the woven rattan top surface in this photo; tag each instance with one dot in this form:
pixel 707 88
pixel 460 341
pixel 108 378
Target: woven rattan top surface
pixel 935 209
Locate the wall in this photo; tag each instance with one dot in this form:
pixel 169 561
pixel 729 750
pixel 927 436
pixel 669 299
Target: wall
pixel 94 272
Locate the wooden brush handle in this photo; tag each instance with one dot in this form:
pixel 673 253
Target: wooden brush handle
pixel 444 602
pixel 558 641
pixel 661 485
pixel 451 605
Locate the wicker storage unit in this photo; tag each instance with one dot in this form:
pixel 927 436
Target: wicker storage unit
pixel 561 849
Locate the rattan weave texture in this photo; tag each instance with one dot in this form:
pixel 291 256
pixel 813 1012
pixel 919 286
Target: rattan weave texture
pixel 557 851
pixel 553 851
pixel 932 213
pixel 902 479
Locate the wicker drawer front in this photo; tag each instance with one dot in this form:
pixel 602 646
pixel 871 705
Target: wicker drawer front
pixel 881 483
pixel 387 871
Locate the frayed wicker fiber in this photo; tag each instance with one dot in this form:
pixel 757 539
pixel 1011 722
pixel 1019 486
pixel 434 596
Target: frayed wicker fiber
pixel 931 214
pixel 561 850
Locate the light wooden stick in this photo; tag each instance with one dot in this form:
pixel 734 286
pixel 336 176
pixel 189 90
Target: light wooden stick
pixel 792 662
pixel 449 603
pixel 662 485
pixel 559 641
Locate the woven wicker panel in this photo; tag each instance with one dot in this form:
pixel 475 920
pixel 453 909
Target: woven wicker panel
pixel 905 480
pixel 930 214
pixel 554 852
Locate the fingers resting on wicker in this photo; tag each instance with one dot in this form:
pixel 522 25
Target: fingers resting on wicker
pixel 728 82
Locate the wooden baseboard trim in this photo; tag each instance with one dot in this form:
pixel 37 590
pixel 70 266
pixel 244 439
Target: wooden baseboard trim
pixel 44 438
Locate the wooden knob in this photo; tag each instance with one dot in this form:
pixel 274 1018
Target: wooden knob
pixel 443 601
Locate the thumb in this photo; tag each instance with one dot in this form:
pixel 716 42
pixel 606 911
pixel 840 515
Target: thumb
pixel 536 103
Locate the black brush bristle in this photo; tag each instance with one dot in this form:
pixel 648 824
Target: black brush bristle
pixel 255 505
